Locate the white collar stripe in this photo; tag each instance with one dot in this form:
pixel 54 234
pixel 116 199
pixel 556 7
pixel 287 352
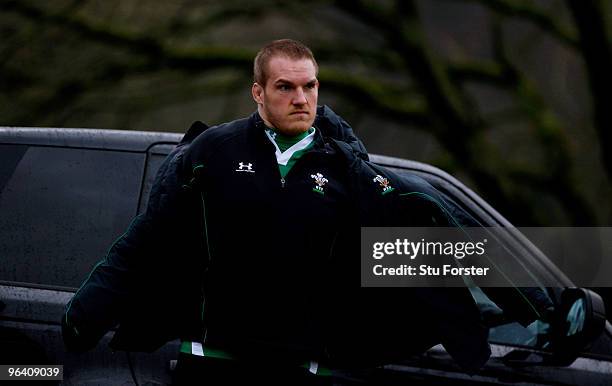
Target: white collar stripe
pixel 283 158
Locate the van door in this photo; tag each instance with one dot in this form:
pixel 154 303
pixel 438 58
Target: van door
pixel 60 209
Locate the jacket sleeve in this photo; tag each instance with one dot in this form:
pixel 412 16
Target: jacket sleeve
pixel 99 303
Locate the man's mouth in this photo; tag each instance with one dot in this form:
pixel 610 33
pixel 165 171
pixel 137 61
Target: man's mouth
pixel 299 112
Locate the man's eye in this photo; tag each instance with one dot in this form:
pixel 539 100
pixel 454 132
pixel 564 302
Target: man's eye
pixel 310 86
pixel 284 87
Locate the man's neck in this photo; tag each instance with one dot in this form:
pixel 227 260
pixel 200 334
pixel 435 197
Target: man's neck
pixel 265 121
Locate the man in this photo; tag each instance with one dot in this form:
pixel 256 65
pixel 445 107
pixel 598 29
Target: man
pixel 248 250
pixel 239 224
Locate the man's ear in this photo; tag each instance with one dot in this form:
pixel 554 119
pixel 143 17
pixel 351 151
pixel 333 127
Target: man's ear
pixel 257 92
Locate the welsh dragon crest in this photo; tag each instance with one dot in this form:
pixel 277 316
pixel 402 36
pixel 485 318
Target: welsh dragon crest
pixel 320 181
pixel 384 184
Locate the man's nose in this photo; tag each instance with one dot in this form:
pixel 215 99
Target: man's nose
pixel 299 98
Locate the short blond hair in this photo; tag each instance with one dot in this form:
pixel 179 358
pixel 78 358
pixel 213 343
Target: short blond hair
pixel 288 48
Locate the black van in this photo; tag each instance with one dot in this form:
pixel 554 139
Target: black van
pixel 65 194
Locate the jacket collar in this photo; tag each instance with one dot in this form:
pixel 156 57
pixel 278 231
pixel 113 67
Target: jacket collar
pixel 330 126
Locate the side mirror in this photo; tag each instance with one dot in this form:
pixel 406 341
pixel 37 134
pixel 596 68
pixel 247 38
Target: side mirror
pixel 578 320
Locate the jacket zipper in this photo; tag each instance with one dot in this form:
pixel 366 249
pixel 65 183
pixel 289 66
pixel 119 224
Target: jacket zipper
pixel 283 180
pixel 205 273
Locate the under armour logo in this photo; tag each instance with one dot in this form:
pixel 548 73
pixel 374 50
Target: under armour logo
pixel 242 167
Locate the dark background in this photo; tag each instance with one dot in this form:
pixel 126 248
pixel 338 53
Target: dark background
pixel 510 96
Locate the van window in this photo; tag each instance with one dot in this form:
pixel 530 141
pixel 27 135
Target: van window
pixel 61 209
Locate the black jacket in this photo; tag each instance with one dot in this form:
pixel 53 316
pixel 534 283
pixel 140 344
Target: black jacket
pixel 186 266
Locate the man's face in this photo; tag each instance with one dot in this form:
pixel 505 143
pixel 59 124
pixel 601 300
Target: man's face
pixel 288 100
